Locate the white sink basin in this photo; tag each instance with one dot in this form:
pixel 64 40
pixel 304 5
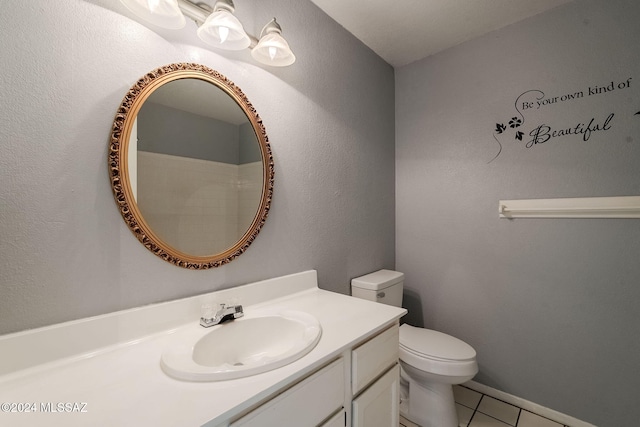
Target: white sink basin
pixel 243 347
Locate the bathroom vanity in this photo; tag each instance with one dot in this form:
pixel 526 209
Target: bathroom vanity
pixel 106 370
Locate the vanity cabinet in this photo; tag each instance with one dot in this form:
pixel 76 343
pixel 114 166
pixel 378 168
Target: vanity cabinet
pixel 348 379
pixel 359 389
pixel 377 406
pixel 338 420
pixel 372 358
pixel 375 381
pixel 307 403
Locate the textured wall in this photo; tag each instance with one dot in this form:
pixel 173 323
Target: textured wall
pixel 65 251
pixel 167 130
pixel 550 305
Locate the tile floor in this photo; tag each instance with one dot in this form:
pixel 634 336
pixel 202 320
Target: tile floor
pixel 479 410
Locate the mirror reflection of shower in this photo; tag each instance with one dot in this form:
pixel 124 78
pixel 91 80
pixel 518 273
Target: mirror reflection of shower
pixel 198 167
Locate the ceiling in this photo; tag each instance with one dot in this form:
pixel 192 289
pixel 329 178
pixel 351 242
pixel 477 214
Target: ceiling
pixel 404 31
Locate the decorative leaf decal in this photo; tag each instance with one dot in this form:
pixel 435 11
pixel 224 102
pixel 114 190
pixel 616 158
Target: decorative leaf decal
pixel 637 113
pixel 519 135
pixel 500 127
pixel 499 151
pixel 515 122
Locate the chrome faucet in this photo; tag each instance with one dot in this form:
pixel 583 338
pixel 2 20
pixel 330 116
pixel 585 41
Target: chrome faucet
pixel 223 314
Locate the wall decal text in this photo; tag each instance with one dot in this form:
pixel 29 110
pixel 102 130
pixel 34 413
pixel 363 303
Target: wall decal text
pixel 533 100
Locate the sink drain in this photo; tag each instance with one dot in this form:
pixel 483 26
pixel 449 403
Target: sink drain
pixel 238 364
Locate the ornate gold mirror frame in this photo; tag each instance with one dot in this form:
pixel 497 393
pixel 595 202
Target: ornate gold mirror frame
pixel 119 171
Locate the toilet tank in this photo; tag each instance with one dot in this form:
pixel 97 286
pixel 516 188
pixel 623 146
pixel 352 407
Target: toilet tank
pixel 383 286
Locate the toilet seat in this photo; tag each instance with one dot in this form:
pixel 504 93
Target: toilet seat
pixel 436 352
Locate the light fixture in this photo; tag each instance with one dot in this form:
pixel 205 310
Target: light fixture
pixel 163 13
pixel 223 30
pixel 273 49
pixel 217 27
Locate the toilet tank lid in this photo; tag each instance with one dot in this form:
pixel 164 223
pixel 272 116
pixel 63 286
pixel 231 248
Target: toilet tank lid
pixel 377 280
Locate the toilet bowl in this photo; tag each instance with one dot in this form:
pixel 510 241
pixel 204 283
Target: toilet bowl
pixel 431 362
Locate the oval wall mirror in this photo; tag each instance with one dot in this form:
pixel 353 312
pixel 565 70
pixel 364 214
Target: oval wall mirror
pixel 190 165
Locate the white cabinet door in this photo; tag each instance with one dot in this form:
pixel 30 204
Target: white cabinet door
pixel 339 420
pixel 306 404
pixel 377 406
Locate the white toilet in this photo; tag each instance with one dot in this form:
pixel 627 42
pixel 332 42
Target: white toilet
pixel 431 362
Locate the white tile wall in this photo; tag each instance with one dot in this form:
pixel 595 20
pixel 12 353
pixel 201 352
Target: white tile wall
pixel 205 206
pixel 250 190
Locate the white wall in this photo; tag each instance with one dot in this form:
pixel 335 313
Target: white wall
pixel 197 206
pixel 249 191
pixel 550 305
pixel 66 253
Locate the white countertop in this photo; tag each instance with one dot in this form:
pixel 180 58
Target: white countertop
pixel 122 383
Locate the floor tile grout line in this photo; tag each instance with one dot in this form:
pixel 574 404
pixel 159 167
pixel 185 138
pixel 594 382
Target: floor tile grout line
pixel 499 400
pixel 507 403
pixel 476 409
pixel 471 419
pixel 492 417
pixel 482 396
pixel 546 418
pixel 479 400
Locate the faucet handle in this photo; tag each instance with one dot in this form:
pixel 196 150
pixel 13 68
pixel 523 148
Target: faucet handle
pixel 206 311
pixel 237 311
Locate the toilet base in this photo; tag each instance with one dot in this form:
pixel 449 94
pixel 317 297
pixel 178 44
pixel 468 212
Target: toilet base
pixel 428 404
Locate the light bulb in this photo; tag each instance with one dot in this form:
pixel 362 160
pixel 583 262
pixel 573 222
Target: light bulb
pixel 223 32
pixel 163 13
pixel 272 49
pixel 272 52
pixel 153 5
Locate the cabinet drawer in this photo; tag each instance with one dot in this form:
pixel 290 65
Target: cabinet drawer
pixel 374 357
pixel 306 404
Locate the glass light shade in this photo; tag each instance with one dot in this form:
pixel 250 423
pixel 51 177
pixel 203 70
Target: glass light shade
pixel 224 31
pixel 163 13
pixel 273 49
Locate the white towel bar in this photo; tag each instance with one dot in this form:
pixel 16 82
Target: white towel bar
pixel 586 207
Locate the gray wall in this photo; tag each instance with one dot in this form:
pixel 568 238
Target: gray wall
pixel 65 251
pixel 167 130
pixel 550 305
pixel 249 148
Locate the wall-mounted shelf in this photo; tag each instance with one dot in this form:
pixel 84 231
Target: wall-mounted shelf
pixel 587 207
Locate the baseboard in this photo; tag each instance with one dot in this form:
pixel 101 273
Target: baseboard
pixel 529 406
